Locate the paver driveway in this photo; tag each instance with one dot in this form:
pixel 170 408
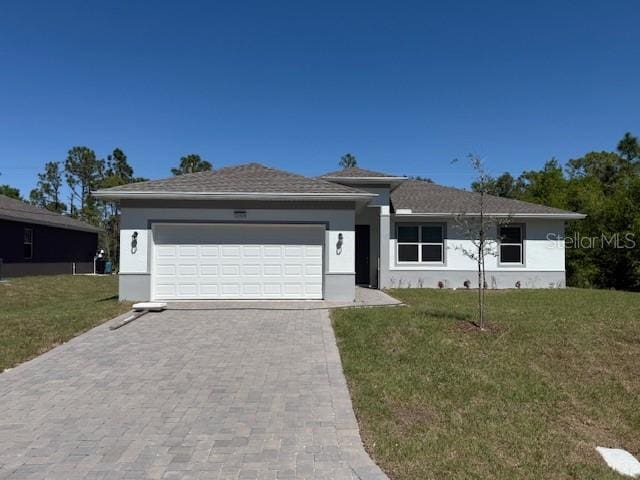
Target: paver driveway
pixel 186 394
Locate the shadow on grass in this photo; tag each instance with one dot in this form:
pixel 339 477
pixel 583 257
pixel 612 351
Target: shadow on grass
pixel 108 299
pixel 465 322
pixel 444 314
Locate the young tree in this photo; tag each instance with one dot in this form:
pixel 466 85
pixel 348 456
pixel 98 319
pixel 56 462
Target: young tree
pixel 348 161
pixel 47 194
pixel 191 163
pixel 476 227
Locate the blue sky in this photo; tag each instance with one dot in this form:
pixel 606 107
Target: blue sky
pixel 405 86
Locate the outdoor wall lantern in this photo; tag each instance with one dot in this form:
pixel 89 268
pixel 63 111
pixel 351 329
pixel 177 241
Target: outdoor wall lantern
pixel 134 242
pixel 339 244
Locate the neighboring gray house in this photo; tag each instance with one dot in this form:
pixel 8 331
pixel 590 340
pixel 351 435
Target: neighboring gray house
pixel 254 232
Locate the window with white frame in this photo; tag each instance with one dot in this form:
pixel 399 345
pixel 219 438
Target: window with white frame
pixel 420 243
pixel 511 239
pixel 28 244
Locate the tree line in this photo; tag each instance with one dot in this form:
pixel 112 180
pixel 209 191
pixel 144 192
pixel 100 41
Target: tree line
pixel 65 187
pixel 603 250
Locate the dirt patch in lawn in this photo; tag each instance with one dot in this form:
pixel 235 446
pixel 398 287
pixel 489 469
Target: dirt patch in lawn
pixel 467 326
pixel 411 416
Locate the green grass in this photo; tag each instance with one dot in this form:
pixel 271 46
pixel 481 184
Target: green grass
pixel 530 400
pixel 38 313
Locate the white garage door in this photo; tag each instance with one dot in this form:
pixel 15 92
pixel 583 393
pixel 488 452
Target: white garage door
pixel 213 261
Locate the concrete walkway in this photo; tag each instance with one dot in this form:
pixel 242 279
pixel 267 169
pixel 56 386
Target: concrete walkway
pixel 186 394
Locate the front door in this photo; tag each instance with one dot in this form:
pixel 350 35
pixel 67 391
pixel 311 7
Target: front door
pixel 362 255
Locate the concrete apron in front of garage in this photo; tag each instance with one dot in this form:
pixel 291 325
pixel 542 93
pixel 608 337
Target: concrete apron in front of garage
pixel 365 297
pixel 186 394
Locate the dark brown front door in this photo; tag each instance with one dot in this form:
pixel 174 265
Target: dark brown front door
pixel 362 254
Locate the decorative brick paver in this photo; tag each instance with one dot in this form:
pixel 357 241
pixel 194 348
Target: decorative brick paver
pixel 189 394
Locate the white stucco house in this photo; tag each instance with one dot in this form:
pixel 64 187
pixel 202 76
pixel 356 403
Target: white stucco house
pixel 254 232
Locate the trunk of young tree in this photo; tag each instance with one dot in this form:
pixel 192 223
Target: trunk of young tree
pixel 484 291
pixel 480 290
pixel 481 275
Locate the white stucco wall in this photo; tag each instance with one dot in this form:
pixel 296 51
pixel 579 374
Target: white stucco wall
pixel 540 253
pixel 340 259
pixel 134 260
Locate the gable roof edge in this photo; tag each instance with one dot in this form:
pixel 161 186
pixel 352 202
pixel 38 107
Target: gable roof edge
pixel 168 195
pixel 557 216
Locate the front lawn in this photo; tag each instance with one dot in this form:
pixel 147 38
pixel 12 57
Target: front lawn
pixel 559 375
pixel 38 313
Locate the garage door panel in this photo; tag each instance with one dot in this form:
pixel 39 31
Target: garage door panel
pixel 271 251
pixel 188 270
pixel 187 289
pixel 251 251
pixel 251 290
pixel 231 251
pixel 313 251
pixel 166 270
pixel 237 261
pixel 313 270
pixel 313 289
pixel 166 251
pixel 293 289
pixel 209 251
pixel 272 270
pixel 293 270
pixel 230 270
pixel 208 270
pixel 166 290
pixel 207 289
pixel 272 289
pixel 252 270
pixel 293 251
pixel 231 289
pixel 187 251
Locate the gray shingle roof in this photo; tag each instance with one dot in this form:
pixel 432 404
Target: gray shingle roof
pixel 19 211
pixel 357 172
pixel 430 198
pixel 247 178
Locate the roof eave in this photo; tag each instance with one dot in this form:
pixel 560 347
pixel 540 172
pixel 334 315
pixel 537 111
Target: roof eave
pixel 52 224
pixel 555 216
pixel 114 195
pixel 393 182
